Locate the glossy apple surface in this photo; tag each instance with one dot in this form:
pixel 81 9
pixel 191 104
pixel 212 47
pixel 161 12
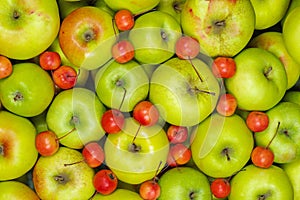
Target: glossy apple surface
pixel 135 6
pixel 222 145
pixel 16 190
pixel 118 194
pixel 292 170
pixel 28 91
pixel 17 141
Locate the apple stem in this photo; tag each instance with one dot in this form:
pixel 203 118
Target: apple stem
pixel 155 178
pixel 77 162
pixel 199 76
pixel 123 98
pixel 204 91
pixel 277 128
pixel 133 147
pixel 73 129
pixel 268 71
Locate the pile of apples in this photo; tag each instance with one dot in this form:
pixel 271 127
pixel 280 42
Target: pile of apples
pixel 150 99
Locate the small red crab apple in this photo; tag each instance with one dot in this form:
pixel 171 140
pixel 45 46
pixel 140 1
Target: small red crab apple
pixel 220 187
pixel 177 134
pixel 149 190
pixel 6 67
pixel 257 121
pixel 146 113
pixel 123 51
pixel 124 19
pixel 179 154
pixel 65 77
pixel 226 105
pixel 105 181
pixel 223 67
pixel 112 121
pixel 187 47
pixel 50 60
pixel 46 143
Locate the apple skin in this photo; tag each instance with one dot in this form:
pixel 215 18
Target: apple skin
pixel 293 4
pixel 154 37
pixel 135 6
pixel 31 85
pixel 184 183
pixel 216 36
pixel 260 80
pixel 114 78
pixel 215 135
pixel 292 96
pixel 66 7
pixel 16 190
pixel 76 180
pixel 32 31
pixel 172 90
pixel 84 34
pixel 290 33
pixel 172 7
pixel 118 194
pixel 17 142
pixel 286 144
pixel 292 170
pixel 268 12
pixel 252 182
pixel 76 112
pixel 136 167
pixel 273 42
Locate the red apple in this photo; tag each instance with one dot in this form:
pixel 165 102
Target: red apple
pixel 46 143
pixel 177 134
pixel 223 67
pixel 257 121
pixel 146 113
pixel 149 190
pixel 124 19
pixel 105 181
pixel 220 187
pixel 179 154
pixel 226 105
pixel 50 60
pixel 5 67
pixel 93 154
pixel 123 51
pixel 112 121
pixel 65 77
pixel 187 47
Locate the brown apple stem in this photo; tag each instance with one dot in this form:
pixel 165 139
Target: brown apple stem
pixel 277 128
pixel 268 71
pixel 74 163
pixel 199 76
pixel 204 91
pixel 155 178
pixel 123 98
pixel 114 28
pixel 133 147
pixel 73 129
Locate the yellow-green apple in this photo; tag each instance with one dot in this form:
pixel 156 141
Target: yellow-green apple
pixel 66 7
pixel 136 153
pixel 254 183
pixel 16 190
pixel 221 145
pixel 118 194
pixel 286 144
pixel 28 91
pixel 17 146
pixel 273 42
pixel 185 92
pixel 55 179
pixel 290 33
pixel 121 86
pixel 180 183
pixel 135 6
pixel 223 28
pixel 260 80
pixel 293 4
pixel 292 170
pixel 39 122
pixel 172 7
pixel 83 74
pixel 86 33
pixel 268 12
pixel 32 26
pixel 292 96
pixel 154 36
pixel 102 5
pixel 75 115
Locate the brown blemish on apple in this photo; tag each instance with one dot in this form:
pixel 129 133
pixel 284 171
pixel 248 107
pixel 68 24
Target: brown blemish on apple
pixel 18 96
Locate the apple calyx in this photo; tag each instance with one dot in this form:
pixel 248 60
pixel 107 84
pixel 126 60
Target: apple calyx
pixel 16 15
pixel 18 96
pixel 61 179
pixel 268 71
pixel 226 152
pixel 134 148
pixel 88 35
pixel 1 150
pixel 264 196
pixel 177 6
pixel 219 25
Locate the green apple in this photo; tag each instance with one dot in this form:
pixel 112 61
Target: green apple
pixel 254 183
pixel 223 28
pixel 292 170
pixel 269 12
pixel 86 33
pixel 102 5
pixel 291 31
pixel 83 74
pixel 54 180
pixel 118 194
pixel 172 7
pixel 154 36
pixel 76 115
pixel 292 96
pixel 184 183
pixel 17 146
pixel 221 145
pixel 183 97
pixel 66 7
pixel 16 190
pixel 293 4
pixel 273 42
pixel 260 80
pixel 39 122
pixel 136 153
pixel 135 6
pixel 121 86
pixel 28 91
pixel 27 27
pixel 286 144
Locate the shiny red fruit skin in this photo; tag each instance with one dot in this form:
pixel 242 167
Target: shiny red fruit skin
pixel 257 121
pixel 177 134
pixel 112 121
pixel 105 181
pixel 123 51
pixel 262 157
pixel 187 47
pixel 149 190
pixel 220 188
pixel 46 143
pixel 124 20
pixel 93 154
pixel 146 113
pixel 179 154
pixel 223 67
pixel 65 77
pixel 50 60
pixel 227 104
pixel 6 67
